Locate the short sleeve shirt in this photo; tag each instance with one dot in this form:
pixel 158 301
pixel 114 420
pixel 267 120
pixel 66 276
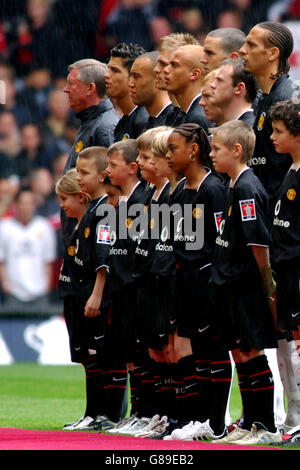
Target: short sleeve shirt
pixel 244 223
pixel 204 208
pixel 286 222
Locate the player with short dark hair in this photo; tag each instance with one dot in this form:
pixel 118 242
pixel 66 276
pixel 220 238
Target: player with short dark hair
pixel 145 92
pixel 233 91
pixel 286 251
pixel 134 118
pixel 265 53
pixel 221 44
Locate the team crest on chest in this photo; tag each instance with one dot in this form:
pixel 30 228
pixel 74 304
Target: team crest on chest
pixel 128 222
pixel 79 146
pixel 72 250
pixel 291 194
pixel 261 121
pixel 87 232
pixel 248 211
pixel 152 223
pixel 197 212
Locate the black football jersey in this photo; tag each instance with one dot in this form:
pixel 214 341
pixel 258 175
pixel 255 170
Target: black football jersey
pixel 195 114
pixel 70 276
pixel 161 118
pixel 244 223
pixel 268 165
pixel 286 222
pixel 201 210
pixel 130 126
pixel 248 117
pixel 123 242
pixel 164 262
pixel 175 117
pixel 92 243
pixel 86 251
pixel 150 229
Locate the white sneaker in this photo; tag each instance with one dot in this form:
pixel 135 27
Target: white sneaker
pixel 187 432
pixel 236 434
pixel 82 423
pixel 70 425
pixel 135 426
pixel 123 423
pixel 292 431
pixel 159 431
pixel 295 429
pixel 205 433
pixel 259 435
pixel 155 420
pixel 178 432
pixel 132 420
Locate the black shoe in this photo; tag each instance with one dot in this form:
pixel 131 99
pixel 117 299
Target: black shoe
pixel 293 441
pixel 102 423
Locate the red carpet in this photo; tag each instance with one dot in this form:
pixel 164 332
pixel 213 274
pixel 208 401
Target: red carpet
pixel 20 439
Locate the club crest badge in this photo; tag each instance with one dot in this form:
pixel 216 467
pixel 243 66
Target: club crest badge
pixel 291 194
pixel 79 146
pixel 261 121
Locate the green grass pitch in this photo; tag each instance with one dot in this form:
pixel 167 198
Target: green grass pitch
pixel 43 397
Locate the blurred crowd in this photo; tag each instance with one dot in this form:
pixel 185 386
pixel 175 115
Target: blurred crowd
pixel 40 38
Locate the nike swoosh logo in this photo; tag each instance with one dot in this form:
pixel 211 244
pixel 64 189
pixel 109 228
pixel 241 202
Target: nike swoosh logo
pixel 295 314
pixel 203 329
pixel 189 386
pixel 98 337
pixel 216 370
pixel 118 380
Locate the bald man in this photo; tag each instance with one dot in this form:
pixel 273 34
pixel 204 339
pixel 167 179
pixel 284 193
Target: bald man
pixel 183 78
pixel 144 92
pixel 166 47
